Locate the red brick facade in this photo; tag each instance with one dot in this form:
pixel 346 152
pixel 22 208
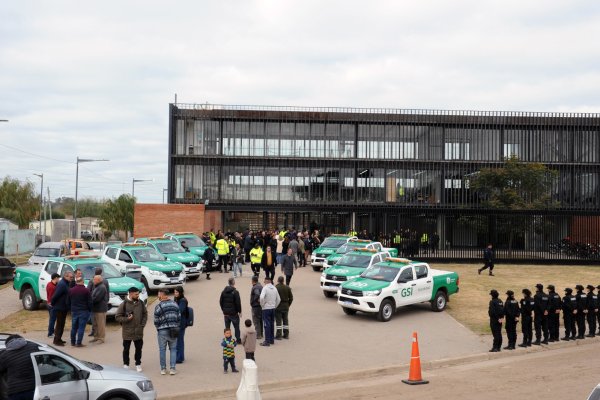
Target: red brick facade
pixel 156 219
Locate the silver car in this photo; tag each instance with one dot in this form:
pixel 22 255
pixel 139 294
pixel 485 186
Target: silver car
pixel 47 250
pixel 61 376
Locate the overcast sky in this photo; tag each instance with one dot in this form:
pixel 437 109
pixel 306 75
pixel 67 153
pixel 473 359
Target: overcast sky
pixel 94 79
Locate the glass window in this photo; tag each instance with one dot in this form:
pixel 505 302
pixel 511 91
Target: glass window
pixel 111 252
pixel 379 272
pixel 421 271
pixel 125 257
pixel 66 268
pixel 146 254
pixel 55 369
pixel 406 274
pixel 457 151
pixel 52 267
pixel 511 149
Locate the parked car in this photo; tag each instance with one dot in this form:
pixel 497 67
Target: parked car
pixel 59 375
pixel 595 395
pixel 47 250
pixel 173 251
pixel 7 269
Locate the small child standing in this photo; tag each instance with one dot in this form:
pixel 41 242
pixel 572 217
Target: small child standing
pixel 228 345
pixel 249 340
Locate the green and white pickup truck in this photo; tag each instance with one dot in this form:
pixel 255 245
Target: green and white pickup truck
pixel 354 244
pixel 327 248
pixel 192 241
pixel 349 267
pixel 173 251
pixel 396 282
pixel 31 281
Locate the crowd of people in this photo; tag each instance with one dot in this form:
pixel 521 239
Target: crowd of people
pixel 543 310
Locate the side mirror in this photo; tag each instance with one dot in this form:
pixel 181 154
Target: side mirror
pixel 82 374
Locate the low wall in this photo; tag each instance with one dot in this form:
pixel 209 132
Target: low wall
pixel 18 241
pixel 156 219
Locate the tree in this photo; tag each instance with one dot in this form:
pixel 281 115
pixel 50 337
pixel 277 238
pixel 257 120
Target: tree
pixel 85 207
pixel 117 215
pixel 18 202
pixel 517 186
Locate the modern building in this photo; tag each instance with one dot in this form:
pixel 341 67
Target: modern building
pixel 384 170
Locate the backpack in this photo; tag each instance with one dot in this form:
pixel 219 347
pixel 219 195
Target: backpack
pixel 190 316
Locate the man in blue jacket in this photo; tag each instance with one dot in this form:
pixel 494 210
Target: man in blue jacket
pixel 60 302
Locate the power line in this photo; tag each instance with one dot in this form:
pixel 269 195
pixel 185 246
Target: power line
pixel 35 155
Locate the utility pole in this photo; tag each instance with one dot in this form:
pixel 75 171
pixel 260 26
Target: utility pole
pixel 41 204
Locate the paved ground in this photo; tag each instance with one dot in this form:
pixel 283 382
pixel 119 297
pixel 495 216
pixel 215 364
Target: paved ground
pixel 9 301
pixel 323 339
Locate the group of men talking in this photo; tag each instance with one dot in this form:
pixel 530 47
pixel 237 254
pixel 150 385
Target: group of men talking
pixel 543 311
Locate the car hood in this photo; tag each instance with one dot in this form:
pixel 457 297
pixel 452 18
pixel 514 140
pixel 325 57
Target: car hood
pixel 114 373
pixel 345 271
pixel 182 257
pixel 198 250
pixel 363 284
pixel 334 256
pixel 120 285
pixel 162 265
pixel 325 250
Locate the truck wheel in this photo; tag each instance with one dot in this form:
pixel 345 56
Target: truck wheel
pixel 386 310
pixel 328 294
pixel 439 301
pixel 30 302
pixel 349 311
pixel 316 268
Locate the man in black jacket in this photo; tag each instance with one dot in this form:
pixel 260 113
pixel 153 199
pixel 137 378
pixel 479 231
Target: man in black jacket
pixel 488 260
pixel 256 308
pixel 496 313
pixel 581 311
pixel 554 307
pixel 592 310
pixel 512 313
pixel 232 308
pixel 527 304
pixel 15 362
pixel 569 307
pixel 60 302
pixel 540 310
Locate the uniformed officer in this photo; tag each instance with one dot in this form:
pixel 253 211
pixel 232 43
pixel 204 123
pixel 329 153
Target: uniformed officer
pixel 569 307
pixel 527 304
pixel 496 313
pixel 512 313
pixel 554 307
pixel 581 311
pixel 540 310
pixel 592 310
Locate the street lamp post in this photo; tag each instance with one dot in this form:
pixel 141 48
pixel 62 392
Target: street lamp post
pixel 41 204
pixel 134 181
pixel 79 160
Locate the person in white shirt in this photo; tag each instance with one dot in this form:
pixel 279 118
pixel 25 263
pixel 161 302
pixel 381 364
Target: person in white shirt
pixel 269 300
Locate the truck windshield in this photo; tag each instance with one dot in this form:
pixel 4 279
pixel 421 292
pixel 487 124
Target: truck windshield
pixel 333 242
pixel 351 246
pixel 89 270
pixel 192 241
pixel 47 252
pixel 353 260
pixel 148 254
pixel 170 248
pixel 380 273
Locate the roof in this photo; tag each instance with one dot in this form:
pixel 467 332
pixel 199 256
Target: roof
pixel 78 259
pixel 397 262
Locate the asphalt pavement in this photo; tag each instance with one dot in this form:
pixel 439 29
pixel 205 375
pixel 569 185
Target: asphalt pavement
pixel 323 340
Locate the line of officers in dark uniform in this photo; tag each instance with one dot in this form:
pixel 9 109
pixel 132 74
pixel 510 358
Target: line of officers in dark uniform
pixel 577 309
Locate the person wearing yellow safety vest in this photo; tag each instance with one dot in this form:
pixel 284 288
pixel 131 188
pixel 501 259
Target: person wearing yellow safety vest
pixel 352 232
pixel 223 252
pixel 256 258
pixel 424 242
pixel 213 237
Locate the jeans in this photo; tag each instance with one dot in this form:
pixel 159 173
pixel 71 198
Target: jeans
pixel 257 321
pixel 267 316
pixel 138 351
pixel 227 361
pixel 180 346
pixel 78 322
pixel 51 320
pixel 236 325
pixel 288 279
pixel 164 339
pixel 237 267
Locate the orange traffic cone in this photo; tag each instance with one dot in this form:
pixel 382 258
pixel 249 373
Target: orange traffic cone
pixel 414 374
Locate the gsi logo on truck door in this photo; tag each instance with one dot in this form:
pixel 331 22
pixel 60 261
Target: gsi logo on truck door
pixel 406 292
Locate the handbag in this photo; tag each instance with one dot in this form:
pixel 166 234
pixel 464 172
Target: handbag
pixel 190 316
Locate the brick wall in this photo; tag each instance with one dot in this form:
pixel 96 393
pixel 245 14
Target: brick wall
pixel 156 219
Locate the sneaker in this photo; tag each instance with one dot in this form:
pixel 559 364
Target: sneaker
pixel 125 366
pixel 264 344
pixel 235 371
pixel 138 368
pixel 173 371
pixel 163 371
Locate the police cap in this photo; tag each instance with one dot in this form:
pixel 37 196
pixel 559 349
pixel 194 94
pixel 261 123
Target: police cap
pixel 579 287
pixel 568 290
pixel 590 287
pixel 539 286
pixel 494 293
pixel 550 287
pixel 510 292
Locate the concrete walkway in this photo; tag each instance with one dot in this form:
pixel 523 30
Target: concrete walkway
pixel 323 339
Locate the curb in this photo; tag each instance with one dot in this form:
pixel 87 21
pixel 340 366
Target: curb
pixel 378 372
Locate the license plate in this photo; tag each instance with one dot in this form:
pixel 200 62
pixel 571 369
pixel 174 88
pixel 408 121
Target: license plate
pixel 173 280
pixel 193 269
pixel 348 303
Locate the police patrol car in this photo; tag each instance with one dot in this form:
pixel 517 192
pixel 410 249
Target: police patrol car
pixel 395 282
pixel 327 248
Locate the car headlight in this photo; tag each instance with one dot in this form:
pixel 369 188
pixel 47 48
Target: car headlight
pixel 352 277
pixel 158 273
pixel 323 274
pixel 144 290
pixel 145 386
pixel 372 293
